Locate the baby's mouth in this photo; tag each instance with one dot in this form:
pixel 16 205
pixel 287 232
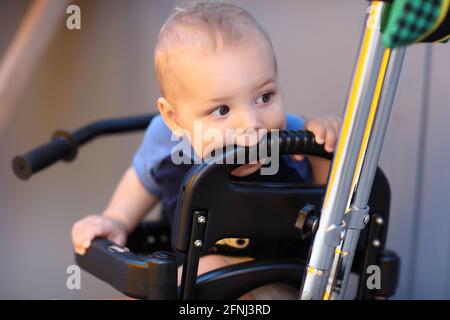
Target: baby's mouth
pixel 246 169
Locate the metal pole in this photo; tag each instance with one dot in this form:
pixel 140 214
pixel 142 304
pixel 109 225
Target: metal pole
pixel 331 230
pixel 359 209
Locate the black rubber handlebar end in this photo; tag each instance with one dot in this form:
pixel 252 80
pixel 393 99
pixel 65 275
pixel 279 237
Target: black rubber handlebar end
pixel 22 168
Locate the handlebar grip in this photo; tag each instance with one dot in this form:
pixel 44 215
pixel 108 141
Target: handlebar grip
pixel 60 147
pixel 64 145
pixel 301 141
pixel 283 142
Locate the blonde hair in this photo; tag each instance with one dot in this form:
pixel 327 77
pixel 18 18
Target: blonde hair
pixel 208 25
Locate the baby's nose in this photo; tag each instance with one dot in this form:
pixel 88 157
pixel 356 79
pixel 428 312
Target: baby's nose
pixel 247 121
pixel 247 127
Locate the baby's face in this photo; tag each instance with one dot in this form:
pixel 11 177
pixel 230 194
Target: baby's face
pixel 232 88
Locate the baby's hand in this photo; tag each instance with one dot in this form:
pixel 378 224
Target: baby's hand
pixel 90 227
pixel 326 130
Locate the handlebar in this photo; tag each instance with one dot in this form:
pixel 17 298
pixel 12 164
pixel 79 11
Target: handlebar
pixel 64 145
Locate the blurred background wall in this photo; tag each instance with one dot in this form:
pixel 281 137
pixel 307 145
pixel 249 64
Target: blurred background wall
pixel 106 70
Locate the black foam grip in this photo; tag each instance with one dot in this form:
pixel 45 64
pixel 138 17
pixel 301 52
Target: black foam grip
pixel 41 157
pixel 301 142
pixel 283 142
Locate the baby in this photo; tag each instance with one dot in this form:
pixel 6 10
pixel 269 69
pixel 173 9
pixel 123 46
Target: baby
pixel 216 67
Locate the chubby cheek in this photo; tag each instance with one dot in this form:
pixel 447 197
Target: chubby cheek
pixel 274 117
pixel 214 137
pixel 204 138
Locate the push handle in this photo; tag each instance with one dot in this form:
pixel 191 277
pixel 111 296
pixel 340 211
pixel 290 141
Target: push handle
pixel 59 148
pixel 64 145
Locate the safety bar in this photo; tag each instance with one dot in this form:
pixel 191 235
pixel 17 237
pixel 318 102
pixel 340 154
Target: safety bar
pixel 153 277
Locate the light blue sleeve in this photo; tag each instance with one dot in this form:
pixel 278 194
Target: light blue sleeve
pixel 294 122
pixel 155 146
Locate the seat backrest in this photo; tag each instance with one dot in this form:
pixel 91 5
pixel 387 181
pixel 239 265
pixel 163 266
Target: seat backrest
pixel 238 209
pixel 212 206
pixel 243 209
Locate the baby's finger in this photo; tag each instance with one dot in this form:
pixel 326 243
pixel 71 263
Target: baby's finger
pixel 80 251
pixel 77 242
pixel 330 140
pixel 88 233
pixel 119 238
pixel 77 234
pixel 85 240
pixel 81 243
pixel 318 129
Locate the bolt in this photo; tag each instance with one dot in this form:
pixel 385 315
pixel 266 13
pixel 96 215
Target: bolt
pixel 164 238
pixel 198 243
pixel 201 219
pixel 151 239
pixel 376 243
pixel 315 226
pixel 379 220
pixel 366 219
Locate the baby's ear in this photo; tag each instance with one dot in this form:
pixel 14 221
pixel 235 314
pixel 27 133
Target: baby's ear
pixel 169 115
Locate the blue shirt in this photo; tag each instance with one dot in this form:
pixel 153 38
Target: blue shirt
pixel 162 178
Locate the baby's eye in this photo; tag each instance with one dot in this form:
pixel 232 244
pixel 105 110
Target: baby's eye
pixel 264 98
pixel 220 111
